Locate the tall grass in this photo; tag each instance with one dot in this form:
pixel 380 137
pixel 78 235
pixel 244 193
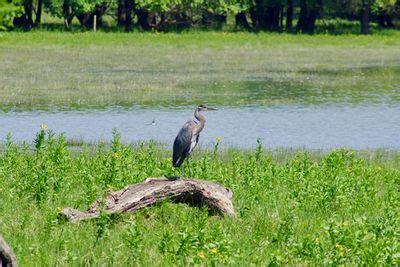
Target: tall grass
pixel 334 209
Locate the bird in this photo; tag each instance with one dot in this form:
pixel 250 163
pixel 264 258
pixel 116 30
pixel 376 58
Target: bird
pixel 152 123
pixel 188 138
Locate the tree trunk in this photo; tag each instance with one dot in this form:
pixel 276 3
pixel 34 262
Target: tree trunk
pixel 143 19
pixel 241 20
pixel 67 14
pixel 289 16
pixel 135 197
pixel 281 18
pixel 120 13
pixel 271 19
pixel 365 18
pixel 7 257
pixel 257 15
pixel 308 16
pixel 128 15
pixel 38 12
pixel 28 8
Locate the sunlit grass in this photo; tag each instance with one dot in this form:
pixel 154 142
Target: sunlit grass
pixel 294 207
pixel 55 70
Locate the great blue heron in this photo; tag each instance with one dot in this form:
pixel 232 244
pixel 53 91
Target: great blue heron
pixel 188 138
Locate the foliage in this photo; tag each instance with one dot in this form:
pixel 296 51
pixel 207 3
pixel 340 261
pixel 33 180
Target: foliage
pixel 271 15
pixel 8 11
pixel 338 209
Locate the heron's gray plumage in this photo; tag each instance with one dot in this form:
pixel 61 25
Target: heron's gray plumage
pixel 188 137
pixel 184 143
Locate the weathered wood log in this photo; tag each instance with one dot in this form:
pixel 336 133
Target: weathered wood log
pixel 135 197
pixel 7 257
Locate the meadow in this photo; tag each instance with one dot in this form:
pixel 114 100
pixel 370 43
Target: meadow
pixel 42 70
pixel 337 207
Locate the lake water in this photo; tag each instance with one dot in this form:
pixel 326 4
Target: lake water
pixel 313 127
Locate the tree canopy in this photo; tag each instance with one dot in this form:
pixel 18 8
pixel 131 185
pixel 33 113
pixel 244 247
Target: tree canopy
pixel 256 15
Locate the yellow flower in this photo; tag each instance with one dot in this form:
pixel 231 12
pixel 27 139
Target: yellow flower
pixel 341 254
pixel 44 127
pixel 116 155
pixel 316 240
pixel 218 139
pixel 214 250
pixel 58 209
pixel 201 255
pixel 339 247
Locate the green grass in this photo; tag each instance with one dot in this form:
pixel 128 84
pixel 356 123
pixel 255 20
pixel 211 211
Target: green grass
pixel 339 207
pixel 61 70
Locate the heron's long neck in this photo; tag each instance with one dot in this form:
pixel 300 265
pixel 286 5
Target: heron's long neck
pixel 201 119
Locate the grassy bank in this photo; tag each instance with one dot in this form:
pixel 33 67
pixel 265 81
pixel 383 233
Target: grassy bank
pixel 292 209
pixel 56 70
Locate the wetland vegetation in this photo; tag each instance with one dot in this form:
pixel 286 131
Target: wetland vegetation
pixel 298 207
pixel 52 71
pixel 295 205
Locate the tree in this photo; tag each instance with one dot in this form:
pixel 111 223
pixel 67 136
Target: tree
pixel 289 15
pixel 9 11
pixel 364 15
pixel 309 12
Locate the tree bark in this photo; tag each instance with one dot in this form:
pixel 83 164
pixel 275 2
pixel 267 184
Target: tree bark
pixel 143 19
pixel 271 18
pixel 120 13
pixel 7 257
pixel 67 14
pixel 38 12
pixel 28 8
pixel 289 16
pixel 135 197
pixel 365 18
pixel 128 15
pixel 241 20
pixel 308 16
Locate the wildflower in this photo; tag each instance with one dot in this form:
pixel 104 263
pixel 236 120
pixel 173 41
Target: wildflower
pixel 341 253
pixel 201 255
pixel 58 209
pixel 218 139
pixel 116 155
pixel 339 247
pixel 43 127
pixel 214 250
pixel 317 240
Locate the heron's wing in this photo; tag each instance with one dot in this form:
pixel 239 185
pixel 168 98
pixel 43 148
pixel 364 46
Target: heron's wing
pixel 182 143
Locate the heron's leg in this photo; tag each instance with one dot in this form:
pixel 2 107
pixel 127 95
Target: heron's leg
pixel 188 163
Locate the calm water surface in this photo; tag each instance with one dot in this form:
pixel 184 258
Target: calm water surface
pixel 313 127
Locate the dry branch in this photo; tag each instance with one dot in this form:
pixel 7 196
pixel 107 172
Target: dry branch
pixel 7 257
pixel 135 197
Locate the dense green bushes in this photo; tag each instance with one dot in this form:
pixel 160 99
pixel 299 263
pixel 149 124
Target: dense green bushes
pixel 8 11
pixel 260 15
pixel 338 209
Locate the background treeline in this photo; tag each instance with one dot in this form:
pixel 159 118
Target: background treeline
pixel 162 15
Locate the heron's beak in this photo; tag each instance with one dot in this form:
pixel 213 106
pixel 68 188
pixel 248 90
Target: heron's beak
pixel 211 108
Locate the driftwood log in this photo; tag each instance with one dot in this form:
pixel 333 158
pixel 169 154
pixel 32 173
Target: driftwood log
pixel 7 257
pixel 135 197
